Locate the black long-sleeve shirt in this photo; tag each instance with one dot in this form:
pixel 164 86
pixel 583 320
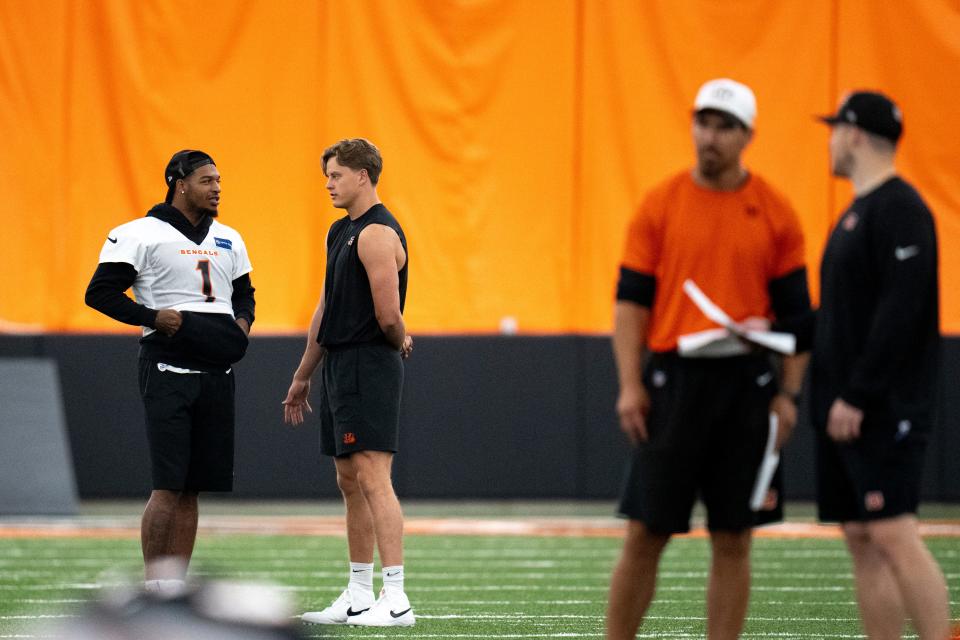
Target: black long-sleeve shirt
pixel 877 332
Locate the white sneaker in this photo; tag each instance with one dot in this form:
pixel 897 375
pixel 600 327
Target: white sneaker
pixel 165 589
pixel 390 610
pixel 345 609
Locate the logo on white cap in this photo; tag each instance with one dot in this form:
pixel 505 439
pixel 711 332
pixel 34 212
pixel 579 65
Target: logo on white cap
pixel 729 96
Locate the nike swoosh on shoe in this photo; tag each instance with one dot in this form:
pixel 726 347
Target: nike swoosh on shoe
pixel 397 615
pixel 351 612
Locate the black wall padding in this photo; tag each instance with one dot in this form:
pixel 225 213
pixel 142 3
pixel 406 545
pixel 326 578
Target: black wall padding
pixel 482 417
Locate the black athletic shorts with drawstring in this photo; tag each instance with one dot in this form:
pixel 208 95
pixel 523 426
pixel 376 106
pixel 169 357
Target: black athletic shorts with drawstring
pixel 360 399
pixel 708 426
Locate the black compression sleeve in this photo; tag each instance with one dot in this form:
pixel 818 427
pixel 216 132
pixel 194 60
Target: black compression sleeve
pixel 105 293
pixel 242 299
pixel 636 287
pixel 790 300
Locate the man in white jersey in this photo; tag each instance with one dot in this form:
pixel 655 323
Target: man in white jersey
pixel 194 300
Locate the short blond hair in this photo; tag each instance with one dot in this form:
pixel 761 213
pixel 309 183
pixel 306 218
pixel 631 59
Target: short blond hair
pixel 356 153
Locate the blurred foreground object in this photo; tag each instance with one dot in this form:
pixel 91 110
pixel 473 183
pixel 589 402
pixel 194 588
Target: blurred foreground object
pixel 212 611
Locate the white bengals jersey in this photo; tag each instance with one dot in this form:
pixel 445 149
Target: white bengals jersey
pixel 175 273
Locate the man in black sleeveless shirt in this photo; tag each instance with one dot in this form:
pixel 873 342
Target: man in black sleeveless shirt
pixel 358 336
pixel 874 371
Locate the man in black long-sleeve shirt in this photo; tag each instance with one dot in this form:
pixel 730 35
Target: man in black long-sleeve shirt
pixel 874 373
pixel 194 300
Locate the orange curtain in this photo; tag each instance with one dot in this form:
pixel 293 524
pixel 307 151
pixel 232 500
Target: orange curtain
pixel 471 106
pixel 518 135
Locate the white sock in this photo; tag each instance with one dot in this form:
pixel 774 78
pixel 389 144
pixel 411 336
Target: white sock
pixel 361 577
pixel 165 588
pixel 393 578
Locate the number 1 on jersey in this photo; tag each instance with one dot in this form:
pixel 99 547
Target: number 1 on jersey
pixel 204 267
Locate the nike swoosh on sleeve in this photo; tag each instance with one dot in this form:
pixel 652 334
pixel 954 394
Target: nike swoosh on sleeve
pixel 905 253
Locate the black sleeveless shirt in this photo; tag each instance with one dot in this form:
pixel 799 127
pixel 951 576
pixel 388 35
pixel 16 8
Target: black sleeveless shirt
pixel 348 314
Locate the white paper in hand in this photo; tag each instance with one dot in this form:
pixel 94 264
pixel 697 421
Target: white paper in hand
pixel 785 343
pixel 706 305
pixel 711 343
pixel 771 458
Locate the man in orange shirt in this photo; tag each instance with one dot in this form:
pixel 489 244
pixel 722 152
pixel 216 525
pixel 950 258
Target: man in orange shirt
pixel 700 424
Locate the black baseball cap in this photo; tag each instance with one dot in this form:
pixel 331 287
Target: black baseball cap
pixel 181 165
pixel 871 111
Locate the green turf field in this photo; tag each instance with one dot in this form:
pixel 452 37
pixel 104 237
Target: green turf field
pixel 468 587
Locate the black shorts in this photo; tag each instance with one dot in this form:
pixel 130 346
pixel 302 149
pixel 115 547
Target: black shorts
pixel 360 400
pixel 708 426
pixel 190 426
pixel 875 477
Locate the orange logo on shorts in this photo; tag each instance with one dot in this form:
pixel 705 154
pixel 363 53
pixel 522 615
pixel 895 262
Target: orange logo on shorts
pixel 873 500
pixel 349 438
pixel 771 500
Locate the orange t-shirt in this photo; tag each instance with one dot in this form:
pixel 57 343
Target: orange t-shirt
pixel 731 243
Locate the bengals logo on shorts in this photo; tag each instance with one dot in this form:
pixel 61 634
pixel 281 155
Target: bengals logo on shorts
pixel 873 500
pixel 771 500
pixel 349 438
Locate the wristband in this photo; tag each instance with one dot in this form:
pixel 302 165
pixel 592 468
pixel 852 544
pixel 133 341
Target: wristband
pixel 794 397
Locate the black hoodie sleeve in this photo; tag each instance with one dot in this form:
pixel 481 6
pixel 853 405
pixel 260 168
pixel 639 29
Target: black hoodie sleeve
pixel 637 287
pixel 105 293
pixel 790 300
pixel 242 299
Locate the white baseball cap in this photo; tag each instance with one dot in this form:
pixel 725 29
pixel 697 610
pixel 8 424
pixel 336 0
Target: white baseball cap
pixel 729 96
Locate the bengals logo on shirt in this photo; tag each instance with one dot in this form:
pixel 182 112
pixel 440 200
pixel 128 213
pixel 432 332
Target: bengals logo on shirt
pixel 850 221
